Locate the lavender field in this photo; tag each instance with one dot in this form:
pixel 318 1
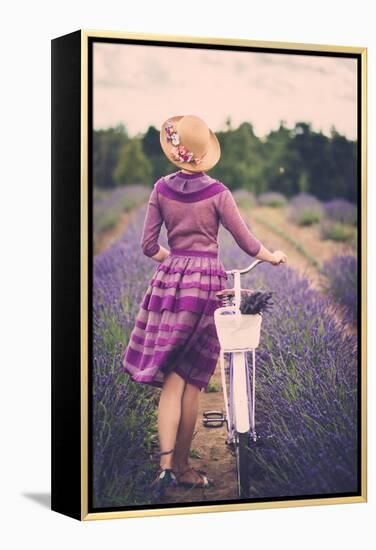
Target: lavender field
pixel 306 409
pixel 110 205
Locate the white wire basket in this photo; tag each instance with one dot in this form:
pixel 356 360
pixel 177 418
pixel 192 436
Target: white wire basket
pixel 236 331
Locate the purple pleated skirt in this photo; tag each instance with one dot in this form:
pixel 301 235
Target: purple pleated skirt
pixel 174 328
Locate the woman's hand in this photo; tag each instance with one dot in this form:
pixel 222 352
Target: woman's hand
pixel 278 257
pixel 274 258
pixel 161 254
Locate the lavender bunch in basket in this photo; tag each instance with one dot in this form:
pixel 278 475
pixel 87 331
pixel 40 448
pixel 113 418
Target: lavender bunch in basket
pixel 257 302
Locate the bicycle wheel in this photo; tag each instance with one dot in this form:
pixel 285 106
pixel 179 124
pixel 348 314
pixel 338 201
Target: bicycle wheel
pixel 242 464
pixel 242 405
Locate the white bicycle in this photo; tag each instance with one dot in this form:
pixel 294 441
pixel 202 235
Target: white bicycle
pixel 238 334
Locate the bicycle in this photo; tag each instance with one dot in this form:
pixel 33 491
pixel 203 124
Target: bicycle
pixel 238 334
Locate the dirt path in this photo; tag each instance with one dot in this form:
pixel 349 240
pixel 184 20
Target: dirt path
pixel 216 457
pixel 110 236
pixel 276 242
pixel 308 237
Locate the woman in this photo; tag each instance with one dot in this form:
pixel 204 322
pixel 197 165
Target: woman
pixel 174 344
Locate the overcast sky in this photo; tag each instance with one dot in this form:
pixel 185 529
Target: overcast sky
pixel 140 85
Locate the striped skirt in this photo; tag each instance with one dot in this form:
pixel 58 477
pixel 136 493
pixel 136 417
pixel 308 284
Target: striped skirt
pixel 174 328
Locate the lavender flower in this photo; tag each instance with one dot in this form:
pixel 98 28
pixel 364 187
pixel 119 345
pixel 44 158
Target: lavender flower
pixel 341 274
pixel 272 198
pixel 110 205
pixel 257 302
pixel 124 412
pixel 341 210
pixel 244 198
pixel 337 231
pixel 304 209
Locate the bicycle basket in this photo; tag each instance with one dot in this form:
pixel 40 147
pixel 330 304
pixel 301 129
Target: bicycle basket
pixel 235 330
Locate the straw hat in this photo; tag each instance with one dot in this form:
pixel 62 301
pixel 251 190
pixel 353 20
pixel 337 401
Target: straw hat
pixel 189 143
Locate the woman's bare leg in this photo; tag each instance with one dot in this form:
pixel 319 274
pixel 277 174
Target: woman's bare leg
pixel 169 412
pixel 188 418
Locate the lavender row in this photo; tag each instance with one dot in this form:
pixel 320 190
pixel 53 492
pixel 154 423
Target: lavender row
pixel 341 276
pixel 124 423
pixel 110 205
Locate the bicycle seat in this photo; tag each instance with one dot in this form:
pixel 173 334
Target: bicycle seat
pixel 231 292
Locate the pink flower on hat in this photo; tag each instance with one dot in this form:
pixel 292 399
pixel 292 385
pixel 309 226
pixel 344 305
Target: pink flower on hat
pixel 179 152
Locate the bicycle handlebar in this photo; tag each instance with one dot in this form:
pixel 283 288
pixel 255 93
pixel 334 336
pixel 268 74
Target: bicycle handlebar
pixel 245 270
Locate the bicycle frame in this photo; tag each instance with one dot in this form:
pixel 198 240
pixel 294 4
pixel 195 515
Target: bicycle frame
pixel 240 411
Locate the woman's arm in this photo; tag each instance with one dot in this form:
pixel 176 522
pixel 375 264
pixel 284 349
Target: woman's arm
pixel 151 230
pixel 274 258
pixel 232 220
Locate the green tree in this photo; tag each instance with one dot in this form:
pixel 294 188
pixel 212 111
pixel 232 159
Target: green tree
pixel 303 182
pixel 282 165
pixel 106 147
pixel 241 158
pixel 342 167
pixel 289 160
pixel 133 166
pixel 152 148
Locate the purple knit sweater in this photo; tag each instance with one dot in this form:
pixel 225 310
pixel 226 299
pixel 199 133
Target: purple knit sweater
pixel 192 206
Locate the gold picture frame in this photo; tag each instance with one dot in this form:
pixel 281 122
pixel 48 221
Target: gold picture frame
pixel 70 251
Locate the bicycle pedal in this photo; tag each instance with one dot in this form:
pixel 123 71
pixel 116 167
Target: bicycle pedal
pixel 213 419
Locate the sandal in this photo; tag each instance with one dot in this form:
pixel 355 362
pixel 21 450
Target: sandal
pixel 202 484
pixel 165 478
